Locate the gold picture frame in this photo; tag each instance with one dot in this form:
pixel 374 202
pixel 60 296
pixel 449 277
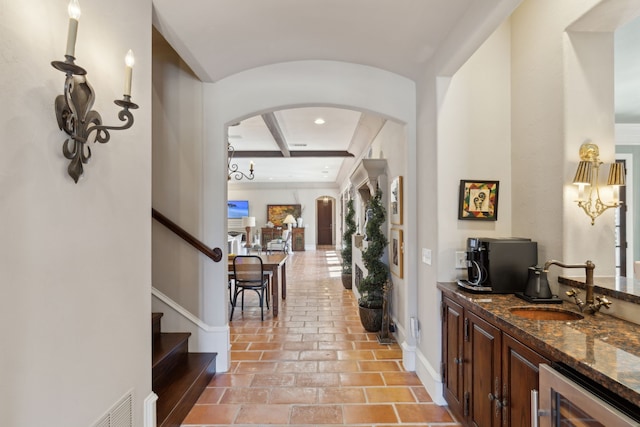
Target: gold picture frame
pixel 396 252
pixel 395 201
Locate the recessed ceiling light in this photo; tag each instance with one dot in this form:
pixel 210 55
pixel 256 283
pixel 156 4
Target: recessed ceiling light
pixel 319 121
pixel 325 171
pixel 298 145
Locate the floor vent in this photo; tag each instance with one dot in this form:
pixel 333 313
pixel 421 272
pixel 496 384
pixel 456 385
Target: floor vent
pixel 120 415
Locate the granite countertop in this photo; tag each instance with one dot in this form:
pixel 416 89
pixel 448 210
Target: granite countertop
pixel 599 346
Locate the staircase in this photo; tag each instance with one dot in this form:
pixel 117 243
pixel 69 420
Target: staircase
pixel 178 377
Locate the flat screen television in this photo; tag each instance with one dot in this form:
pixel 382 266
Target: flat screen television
pixel 237 209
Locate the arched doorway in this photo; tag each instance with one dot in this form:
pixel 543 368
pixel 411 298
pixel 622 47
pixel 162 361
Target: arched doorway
pixel 271 88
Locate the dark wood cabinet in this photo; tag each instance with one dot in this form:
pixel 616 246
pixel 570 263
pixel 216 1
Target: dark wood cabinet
pixel 452 355
pixel 297 237
pixel 268 234
pixel 482 376
pixel 487 375
pixel 519 376
pixel 297 240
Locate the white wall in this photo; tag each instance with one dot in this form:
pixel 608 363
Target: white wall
pixel 561 98
pixel 75 259
pixel 474 143
pixel 177 176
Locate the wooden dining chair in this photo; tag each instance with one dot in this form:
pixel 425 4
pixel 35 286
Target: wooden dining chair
pixel 249 274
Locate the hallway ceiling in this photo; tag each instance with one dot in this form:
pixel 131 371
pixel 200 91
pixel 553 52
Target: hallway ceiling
pixel 223 37
pixel 395 35
pixel 301 139
pixel 218 38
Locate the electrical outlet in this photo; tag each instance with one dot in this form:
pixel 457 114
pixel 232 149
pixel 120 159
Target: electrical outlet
pixel 461 260
pixel 426 256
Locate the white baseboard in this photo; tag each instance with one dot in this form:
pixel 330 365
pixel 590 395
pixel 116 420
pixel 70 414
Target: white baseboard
pixel 430 378
pixel 150 410
pixel 414 360
pixel 204 338
pixel 408 356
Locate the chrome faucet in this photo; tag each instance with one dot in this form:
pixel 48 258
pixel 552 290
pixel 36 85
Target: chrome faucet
pixel 591 305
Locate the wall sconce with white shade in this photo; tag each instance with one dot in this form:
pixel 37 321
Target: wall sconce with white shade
pixel 73 108
pixel 587 176
pixel 247 223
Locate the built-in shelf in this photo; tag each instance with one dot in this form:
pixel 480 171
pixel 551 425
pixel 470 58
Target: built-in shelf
pixel 365 177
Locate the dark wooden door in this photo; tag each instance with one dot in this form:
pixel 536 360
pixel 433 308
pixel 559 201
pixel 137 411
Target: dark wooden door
pixel 325 221
pixel 452 355
pixel 519 377
pixel 483 382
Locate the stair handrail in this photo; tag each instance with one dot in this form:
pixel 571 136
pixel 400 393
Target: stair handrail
pixel 215 254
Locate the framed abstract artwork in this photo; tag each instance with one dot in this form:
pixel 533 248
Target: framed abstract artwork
pixel 396 252
pixel 277 213
pixel 478 200
pixel 395 201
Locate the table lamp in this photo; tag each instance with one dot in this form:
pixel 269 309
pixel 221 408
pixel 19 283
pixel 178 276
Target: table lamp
pixel 289 220
pixel 247 223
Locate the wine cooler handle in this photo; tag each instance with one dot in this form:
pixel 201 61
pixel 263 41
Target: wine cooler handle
pixel 534 408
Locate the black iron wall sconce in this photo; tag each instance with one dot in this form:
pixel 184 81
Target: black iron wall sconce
pixel 73 109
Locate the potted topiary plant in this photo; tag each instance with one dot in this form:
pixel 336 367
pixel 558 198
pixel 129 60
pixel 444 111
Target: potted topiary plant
pixel 371 287
pixel 349 230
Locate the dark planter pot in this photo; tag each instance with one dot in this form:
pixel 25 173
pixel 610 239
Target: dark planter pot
pixel 371 318
pixel 347 280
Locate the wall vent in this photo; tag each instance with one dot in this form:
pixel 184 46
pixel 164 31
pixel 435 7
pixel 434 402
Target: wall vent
pixel 120 415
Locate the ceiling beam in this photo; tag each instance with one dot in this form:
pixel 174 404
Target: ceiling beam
pixel 273 126
pixel 301 153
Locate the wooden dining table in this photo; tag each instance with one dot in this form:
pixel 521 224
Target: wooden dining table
pixel 273 263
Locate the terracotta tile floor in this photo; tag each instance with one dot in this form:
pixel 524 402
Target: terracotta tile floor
pixel 314 364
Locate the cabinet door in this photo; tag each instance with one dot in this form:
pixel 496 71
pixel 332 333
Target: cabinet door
pixel 452 355
pixel 519 376
pixel 482 378
pixel 298 239
pixel 263 237
pixel 268 234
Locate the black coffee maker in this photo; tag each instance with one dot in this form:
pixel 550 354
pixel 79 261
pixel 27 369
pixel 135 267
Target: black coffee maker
pixel 499 265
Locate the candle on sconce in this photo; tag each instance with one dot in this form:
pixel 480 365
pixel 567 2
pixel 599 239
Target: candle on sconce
pixel 251 166
pixel 616 193
pixel 581 192
pixel 129 60
pixel 74 16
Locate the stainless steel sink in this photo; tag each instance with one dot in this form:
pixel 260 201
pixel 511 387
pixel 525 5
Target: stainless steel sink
pixel 546 313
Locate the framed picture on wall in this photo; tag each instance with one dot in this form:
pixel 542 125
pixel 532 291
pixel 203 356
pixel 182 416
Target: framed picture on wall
pixel 396 252
pixel 277 213
pixel 478 200
pixel 395 201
